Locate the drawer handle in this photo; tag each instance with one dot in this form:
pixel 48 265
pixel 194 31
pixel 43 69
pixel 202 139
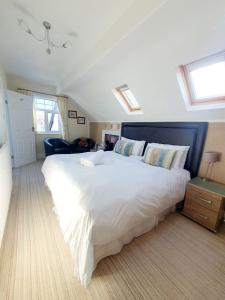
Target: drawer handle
pixel 204 200
pixel 203 217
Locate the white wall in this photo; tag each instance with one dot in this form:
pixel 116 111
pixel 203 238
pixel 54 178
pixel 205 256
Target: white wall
pixel 14 82
pixel 147 59
pixel 77 130
pixel 5 160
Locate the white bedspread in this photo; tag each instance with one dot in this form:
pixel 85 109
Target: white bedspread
pixel 98 205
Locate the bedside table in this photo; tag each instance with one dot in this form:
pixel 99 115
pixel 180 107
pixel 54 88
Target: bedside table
pixel 205 202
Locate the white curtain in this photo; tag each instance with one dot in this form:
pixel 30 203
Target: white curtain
pixel 63 110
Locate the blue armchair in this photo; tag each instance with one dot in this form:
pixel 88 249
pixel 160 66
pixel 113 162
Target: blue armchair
pixel 56 146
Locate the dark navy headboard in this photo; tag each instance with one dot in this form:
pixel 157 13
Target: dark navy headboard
pixel 191 134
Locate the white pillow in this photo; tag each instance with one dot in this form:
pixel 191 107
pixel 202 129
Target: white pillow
pixel 138 146
pixel 180 156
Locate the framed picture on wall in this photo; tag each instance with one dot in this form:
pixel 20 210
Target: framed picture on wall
pixel 72 114
pixel 80 120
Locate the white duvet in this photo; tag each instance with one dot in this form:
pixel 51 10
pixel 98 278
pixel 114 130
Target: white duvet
pixel 99 205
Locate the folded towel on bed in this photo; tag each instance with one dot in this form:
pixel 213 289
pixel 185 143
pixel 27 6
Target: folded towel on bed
pixel 97 158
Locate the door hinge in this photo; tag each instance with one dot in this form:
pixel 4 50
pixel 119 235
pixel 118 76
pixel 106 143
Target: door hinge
pixel 12 156
pixel 6 101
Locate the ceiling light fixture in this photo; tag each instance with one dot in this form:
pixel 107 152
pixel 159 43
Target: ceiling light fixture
pixel 47 37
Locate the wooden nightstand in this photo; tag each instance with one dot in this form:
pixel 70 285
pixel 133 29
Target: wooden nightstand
pixel 204 203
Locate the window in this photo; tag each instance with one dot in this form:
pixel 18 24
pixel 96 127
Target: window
pixel 203 82
pixel 47 118
pixel 127 100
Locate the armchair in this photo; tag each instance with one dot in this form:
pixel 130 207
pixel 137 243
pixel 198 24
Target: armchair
pixel 81 145
pixel 56 146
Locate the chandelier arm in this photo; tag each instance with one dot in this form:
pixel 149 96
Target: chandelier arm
pixel 53 44
pixel 23 25
pixel 67 43
pixel 37 39
pixel 47 36
pixel 62 45
pixel 48 39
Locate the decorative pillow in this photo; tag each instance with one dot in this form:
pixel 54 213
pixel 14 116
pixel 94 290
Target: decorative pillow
pixel 180 156
pixel 159 157
pixel 124 148
pixel 138 146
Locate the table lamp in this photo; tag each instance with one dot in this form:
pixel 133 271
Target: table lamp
pixel 209 157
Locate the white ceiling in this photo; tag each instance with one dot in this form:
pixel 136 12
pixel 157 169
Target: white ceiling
pixel 22 55
pixel 136 42
pixel 147 60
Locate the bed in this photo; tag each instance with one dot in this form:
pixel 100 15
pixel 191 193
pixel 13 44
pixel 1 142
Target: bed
pixel 102 208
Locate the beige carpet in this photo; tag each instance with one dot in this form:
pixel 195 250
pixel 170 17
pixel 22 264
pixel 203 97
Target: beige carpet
pixel 177 260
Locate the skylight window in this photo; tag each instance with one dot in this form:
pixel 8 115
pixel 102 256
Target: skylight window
pixel 127 100
pixel 203 82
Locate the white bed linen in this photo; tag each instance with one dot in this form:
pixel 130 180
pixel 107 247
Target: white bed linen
pixel 100 205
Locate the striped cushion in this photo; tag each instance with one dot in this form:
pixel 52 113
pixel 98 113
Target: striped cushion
pixel 124 148
pixel 138 146
pixel 159 157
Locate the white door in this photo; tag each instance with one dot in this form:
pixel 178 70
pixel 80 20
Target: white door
pixel 20 109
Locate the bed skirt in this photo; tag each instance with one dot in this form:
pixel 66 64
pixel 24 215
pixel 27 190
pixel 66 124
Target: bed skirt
pixel 114 247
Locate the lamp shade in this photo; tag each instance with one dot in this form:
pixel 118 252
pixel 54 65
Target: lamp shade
pixel 210 156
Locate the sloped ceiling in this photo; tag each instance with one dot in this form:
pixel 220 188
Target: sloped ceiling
pixel 140 43
pixel 147 58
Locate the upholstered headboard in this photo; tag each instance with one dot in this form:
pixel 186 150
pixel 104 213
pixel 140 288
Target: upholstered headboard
pixel 191 134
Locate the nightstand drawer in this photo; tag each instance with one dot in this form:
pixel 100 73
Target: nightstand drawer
pixel 204 198
pixel 201 214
